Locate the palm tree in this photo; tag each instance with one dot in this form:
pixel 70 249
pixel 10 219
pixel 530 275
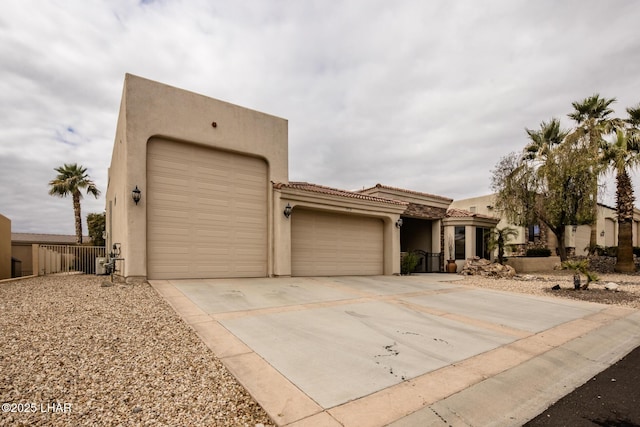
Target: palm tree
pixel 70 180
pixel 634 118
pixel 499 238
pixel 591 115
pixel 623 154
pixel 549 135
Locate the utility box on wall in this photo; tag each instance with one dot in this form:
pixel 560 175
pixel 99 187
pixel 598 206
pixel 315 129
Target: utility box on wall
pixel 16 268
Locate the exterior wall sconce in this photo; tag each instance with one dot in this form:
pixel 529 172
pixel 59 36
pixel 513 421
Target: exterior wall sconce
pixel 136 194
pixel 602 233
pixel 399 223
pixel 287 210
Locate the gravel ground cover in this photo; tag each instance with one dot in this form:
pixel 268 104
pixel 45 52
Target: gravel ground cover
pixel 628 294
pixel 75 353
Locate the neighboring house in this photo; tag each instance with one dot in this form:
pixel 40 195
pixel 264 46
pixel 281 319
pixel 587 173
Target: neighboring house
pixel 5 247
pixel 538 235
pixel 215 199
pixel 22 247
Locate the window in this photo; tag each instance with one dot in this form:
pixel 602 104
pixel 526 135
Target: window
pixel 460 242
pixel 534 233
pixel 482 242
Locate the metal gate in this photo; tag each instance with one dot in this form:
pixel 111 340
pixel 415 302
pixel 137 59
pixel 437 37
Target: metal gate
pixel 429 262
pixel 68 258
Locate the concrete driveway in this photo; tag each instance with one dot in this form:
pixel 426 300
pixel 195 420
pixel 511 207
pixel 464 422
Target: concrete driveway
pixel 405 351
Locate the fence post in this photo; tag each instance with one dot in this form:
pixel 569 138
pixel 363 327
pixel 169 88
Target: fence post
pixel 35 259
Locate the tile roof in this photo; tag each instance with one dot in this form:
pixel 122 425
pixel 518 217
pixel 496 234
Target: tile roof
pixel 66 239
pixel 335 192
pixel 461 213
pixel 417 193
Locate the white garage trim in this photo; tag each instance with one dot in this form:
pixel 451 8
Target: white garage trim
pixel 333 244
pixel 206 212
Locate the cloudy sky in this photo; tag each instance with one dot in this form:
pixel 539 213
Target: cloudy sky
pixel 424 95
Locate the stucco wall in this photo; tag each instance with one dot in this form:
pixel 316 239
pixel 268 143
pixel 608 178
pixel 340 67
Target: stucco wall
pixel 485 205
pixel 5 247
pixel 149 109
pixel 24 253
pixel 389 214
pixel 533 264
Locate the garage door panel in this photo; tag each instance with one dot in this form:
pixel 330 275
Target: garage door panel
pixel 325 243
pixel 207 212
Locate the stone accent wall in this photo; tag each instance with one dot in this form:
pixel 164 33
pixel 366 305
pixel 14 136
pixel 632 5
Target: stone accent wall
pixel 542 241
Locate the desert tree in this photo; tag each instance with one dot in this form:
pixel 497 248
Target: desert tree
pixel 96 228
pixel 553 187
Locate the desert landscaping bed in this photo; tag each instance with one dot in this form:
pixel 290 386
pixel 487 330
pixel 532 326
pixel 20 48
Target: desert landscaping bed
pixel 73 352
pixel 627 294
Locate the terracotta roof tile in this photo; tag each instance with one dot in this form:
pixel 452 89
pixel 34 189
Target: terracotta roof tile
pixel 63 239
pixel 461 213
pixel 418 193
pixel 335 192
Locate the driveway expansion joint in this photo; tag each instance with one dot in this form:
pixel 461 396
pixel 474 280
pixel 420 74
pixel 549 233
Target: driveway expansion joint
pixel 306 352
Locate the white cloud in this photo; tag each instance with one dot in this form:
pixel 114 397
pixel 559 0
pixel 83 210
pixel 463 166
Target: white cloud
pixel 425 95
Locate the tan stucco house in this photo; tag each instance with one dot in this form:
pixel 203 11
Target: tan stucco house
pixel 537 235
pixel 198 188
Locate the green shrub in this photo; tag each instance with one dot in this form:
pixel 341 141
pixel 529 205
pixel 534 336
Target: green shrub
pixel 580 267
pixel 538 252
pixel 607 251
pixel 408 263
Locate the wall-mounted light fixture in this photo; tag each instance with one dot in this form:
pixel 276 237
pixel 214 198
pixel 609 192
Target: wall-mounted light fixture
pixel 287 210
pixel 399 223
pixel 602 233
pixel 136 194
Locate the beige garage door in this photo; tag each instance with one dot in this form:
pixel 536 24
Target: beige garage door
pixel 206 212
pixel 329 244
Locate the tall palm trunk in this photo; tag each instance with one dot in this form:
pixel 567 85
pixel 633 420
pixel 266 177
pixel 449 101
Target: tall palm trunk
pixel 625 199
pixel 78 216
pixel 593 237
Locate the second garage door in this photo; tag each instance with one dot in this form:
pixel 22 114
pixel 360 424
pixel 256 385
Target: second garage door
pixel 330 244
pixel 206 212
